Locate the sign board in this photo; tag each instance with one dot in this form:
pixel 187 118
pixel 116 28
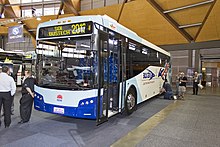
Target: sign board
pixel 15 34
pixel 66 30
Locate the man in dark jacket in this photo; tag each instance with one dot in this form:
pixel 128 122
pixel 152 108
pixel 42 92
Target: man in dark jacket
pixel 26 100
pixel 168 90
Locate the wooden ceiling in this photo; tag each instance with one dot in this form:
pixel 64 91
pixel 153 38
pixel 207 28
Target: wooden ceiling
pixel 148 18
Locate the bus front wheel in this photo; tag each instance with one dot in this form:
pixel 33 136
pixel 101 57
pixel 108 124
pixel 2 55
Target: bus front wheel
pixel 130 101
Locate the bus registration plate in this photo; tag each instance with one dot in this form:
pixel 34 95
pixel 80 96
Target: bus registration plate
pixel 58 110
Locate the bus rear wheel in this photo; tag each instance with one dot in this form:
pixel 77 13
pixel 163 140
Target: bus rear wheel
pixel 130 101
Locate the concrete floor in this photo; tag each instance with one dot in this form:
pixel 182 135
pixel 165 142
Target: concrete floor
pixel 47 130
pixel 157 122
pixel 194 122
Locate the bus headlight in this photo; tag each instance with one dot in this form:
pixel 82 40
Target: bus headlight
pixel 38 96
pixel 89 102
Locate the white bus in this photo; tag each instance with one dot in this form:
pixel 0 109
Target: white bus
pixel 14 61
pixel 92 67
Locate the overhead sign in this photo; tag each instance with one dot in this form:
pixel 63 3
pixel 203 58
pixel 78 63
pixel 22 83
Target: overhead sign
pixel 66 30
pixel 15 34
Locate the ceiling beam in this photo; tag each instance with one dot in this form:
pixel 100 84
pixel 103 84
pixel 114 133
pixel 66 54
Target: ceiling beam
pixel 29 31
pixel 122 7
pixel 9 13
pixel 205 19
pixel 13 15
pixel 69 5
pixel 60 9
pixel 192 46
pixel 171 21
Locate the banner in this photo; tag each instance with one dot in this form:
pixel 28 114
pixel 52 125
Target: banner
pixel 15 34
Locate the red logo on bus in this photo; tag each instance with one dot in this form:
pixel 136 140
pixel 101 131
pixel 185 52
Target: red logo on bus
pixel 59 98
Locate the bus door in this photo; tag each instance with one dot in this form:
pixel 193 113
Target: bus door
pixel 114 73
pixel 103 82
pixel 123 65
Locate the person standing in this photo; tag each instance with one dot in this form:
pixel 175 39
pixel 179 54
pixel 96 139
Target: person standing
pixel 177 83
pixel 196 81
pixel 7 91
pixel 182 85
pixel 26 101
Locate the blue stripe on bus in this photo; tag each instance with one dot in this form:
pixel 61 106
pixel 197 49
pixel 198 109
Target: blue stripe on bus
pixel 86 108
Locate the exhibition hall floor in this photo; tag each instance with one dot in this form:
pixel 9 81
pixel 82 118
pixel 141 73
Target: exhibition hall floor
pixel 157 122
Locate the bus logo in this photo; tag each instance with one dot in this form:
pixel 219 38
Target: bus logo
pixel 148 75
pixel 161 72
pixel 112 26
pixel 59 98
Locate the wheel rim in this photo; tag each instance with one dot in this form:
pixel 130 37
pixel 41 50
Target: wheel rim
pixel 130 101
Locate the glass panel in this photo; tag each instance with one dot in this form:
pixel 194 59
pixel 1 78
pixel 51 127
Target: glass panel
pixel 38 11
pixel 49 11
pixel 26 1
pixel 36 0
pixel 26 13
pixel 104 77
pixel 67 63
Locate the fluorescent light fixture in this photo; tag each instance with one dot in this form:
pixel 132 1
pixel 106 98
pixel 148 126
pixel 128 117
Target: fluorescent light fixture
pixel 83 45
pixel 38 18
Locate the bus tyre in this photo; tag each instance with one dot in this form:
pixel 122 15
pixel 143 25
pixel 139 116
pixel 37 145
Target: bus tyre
pixel 130 101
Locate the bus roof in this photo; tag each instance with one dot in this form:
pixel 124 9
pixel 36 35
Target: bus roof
pixel 11 52
pixel 106 21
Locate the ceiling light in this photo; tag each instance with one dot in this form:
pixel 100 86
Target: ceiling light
pixel 38 18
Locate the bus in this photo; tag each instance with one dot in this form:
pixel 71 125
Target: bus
pixel 14 61
pixel 28 62
pixel 93 67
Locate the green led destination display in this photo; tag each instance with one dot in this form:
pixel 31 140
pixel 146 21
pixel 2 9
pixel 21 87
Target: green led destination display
pixel 66 30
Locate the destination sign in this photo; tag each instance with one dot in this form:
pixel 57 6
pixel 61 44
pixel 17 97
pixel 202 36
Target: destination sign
pixel 66 30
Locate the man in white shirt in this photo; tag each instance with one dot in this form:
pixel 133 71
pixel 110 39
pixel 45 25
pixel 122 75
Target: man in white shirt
pixel 7 90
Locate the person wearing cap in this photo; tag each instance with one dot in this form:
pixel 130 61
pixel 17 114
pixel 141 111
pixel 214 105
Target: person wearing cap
pixel 7 91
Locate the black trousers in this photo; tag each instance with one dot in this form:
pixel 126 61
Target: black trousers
pixel 6 101
pixel 26 103
pixel 195 88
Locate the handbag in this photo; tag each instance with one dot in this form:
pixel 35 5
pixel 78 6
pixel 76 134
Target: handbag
pixel 200 86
